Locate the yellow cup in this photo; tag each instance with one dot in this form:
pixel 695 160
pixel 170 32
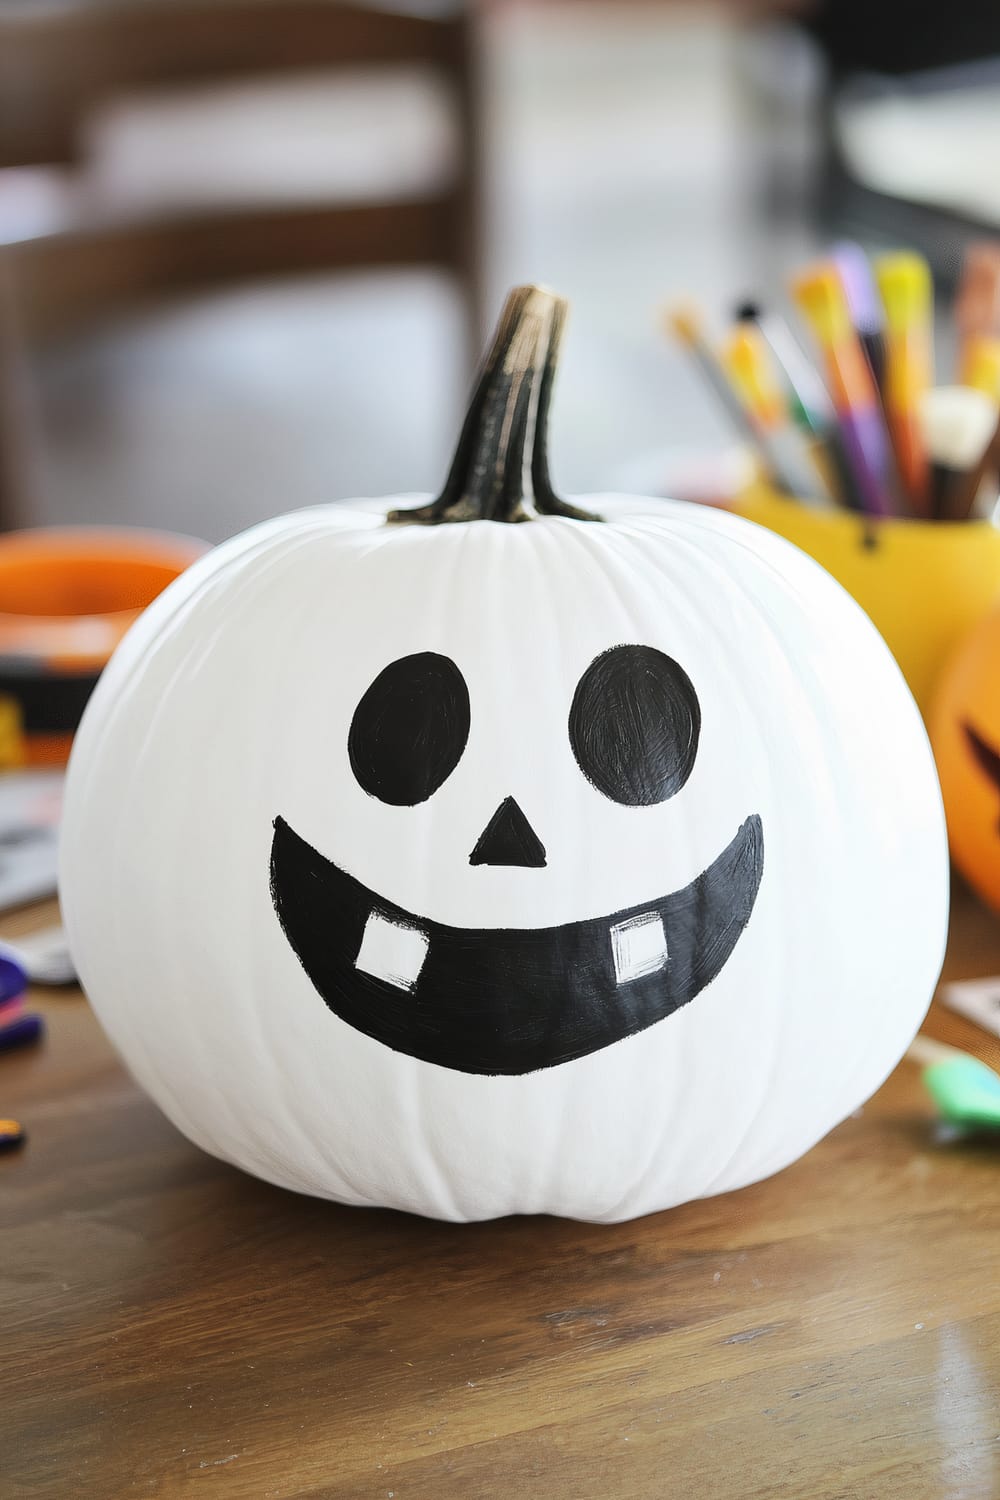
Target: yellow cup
pixel 923 583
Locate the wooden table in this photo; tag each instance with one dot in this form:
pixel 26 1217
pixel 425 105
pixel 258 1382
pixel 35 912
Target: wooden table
pixel 174 1328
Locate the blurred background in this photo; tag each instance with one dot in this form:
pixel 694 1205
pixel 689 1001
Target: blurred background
pixel 248 247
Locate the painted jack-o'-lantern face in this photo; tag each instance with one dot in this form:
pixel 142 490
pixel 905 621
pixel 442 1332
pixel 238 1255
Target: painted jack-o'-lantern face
pixel 987 757
pixel 965 730
pixel 614 848
pixel 503 1000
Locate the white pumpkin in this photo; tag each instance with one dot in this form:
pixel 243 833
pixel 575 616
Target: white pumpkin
pixel 573 866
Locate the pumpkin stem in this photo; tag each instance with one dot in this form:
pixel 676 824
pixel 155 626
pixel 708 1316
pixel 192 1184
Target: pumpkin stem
pixel 508 412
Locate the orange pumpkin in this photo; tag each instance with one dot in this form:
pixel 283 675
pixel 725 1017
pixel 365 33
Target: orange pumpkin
pixel 965 732
pixel 67 596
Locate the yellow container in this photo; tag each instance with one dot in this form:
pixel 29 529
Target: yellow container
pixel 925 584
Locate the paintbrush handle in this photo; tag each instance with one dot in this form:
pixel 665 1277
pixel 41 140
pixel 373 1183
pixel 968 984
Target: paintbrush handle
pixel 845 480
pixel 866 446
pixel 957 491
pixel 873 343
pixel 716 378
pixel 911 455
pixel 788 459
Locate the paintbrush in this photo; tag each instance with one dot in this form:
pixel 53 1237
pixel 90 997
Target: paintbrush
pixel 904 281
pixel 745 359
pixel 820 295
pixel 864 304
pixel 977 301
pixel 809 400
pixel 686 325
pixel 958 426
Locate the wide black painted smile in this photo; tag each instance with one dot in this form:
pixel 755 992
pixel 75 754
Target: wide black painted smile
pixel 987 758
pixel 508 1001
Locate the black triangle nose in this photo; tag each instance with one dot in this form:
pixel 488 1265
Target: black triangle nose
pixel 508 839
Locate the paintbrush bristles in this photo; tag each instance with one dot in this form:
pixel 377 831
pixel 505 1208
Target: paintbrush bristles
pixel 959 428
pixel 957 423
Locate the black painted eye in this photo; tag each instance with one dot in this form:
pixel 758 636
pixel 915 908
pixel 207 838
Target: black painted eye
pixel 410 729
pixel 634 725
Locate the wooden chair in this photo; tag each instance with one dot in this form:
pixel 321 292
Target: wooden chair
pixel 59 63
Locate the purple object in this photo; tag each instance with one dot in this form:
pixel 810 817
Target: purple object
pixel 21 1033
pixel 864 305
pixel 866 444
pixel 863 300
pixel 13 979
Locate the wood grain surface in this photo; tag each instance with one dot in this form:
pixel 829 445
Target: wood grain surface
pixel 173 1328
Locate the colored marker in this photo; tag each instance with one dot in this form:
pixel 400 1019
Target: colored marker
pixel 904 280
pixel 820 294
pixel 864 305
pixel 746 361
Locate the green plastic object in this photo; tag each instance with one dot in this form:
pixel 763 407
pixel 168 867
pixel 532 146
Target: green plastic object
pixel 965 1091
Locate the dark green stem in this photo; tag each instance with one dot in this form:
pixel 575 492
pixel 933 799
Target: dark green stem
pixel 508 411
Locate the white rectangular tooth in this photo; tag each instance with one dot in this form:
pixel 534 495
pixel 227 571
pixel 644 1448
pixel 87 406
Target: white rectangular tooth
pixel 392 952
pixel 639 946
